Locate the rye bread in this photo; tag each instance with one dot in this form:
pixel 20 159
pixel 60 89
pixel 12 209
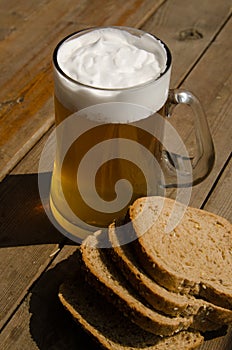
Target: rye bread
pixel 110 328
pixel 194 258
pixel 170 303
pixel 101 273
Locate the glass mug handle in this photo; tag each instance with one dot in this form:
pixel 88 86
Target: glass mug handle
pixel 202 162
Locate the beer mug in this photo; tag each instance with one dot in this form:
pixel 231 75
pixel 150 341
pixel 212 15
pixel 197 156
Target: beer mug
pixel 114 143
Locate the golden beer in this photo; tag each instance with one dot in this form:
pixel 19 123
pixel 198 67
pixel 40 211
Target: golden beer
pixel 108 173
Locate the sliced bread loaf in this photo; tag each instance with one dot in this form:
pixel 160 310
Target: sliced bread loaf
pixel 103 275
pixel 110 328
pixel 194 258
pixel 170 303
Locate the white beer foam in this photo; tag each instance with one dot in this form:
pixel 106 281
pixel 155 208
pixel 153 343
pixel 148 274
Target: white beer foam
pixel 149 86
pixel 109 58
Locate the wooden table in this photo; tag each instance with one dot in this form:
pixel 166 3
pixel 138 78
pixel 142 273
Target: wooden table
pixel 34 256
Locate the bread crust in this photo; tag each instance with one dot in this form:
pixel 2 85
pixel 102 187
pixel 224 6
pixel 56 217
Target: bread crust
pixel 103 275
pixel 109 328
pixel 149 248
pixel 113 287
pixel 170 303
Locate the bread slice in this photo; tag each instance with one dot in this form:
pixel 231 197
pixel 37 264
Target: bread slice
pixel 194 258
pixel 173 304
pixel 110 328
pixel 102 274
pixel 170 303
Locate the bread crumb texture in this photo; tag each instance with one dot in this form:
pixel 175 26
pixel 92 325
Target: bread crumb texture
pixel 197 253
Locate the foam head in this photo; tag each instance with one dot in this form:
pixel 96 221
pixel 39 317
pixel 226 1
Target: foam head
pixel 112 64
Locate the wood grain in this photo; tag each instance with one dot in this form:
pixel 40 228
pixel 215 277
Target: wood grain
pixel 13 13
pixel 26 103
pixel 30 162
pixel 217 103
pixel 176 22
pixel 220 200
pixel 40 322
pixel 27 238
pixel 26 113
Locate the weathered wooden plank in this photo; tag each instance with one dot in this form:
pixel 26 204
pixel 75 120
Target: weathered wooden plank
pixel 211 81
pixel 40 322
pixel 26 167
pixel 214 90
pixel 31 244
pixel 189 32
pixel 51 22
pixel 27 240
pixel 13 13
pixel 30 108
pixel 26 96
pixel 31 160
pixel 187 44
pixel 220 200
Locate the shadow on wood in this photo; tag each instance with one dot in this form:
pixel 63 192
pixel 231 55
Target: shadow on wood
pixel 51 327
pixel 23 220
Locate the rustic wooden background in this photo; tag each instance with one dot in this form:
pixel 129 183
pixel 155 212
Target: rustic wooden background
pixel 33 255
